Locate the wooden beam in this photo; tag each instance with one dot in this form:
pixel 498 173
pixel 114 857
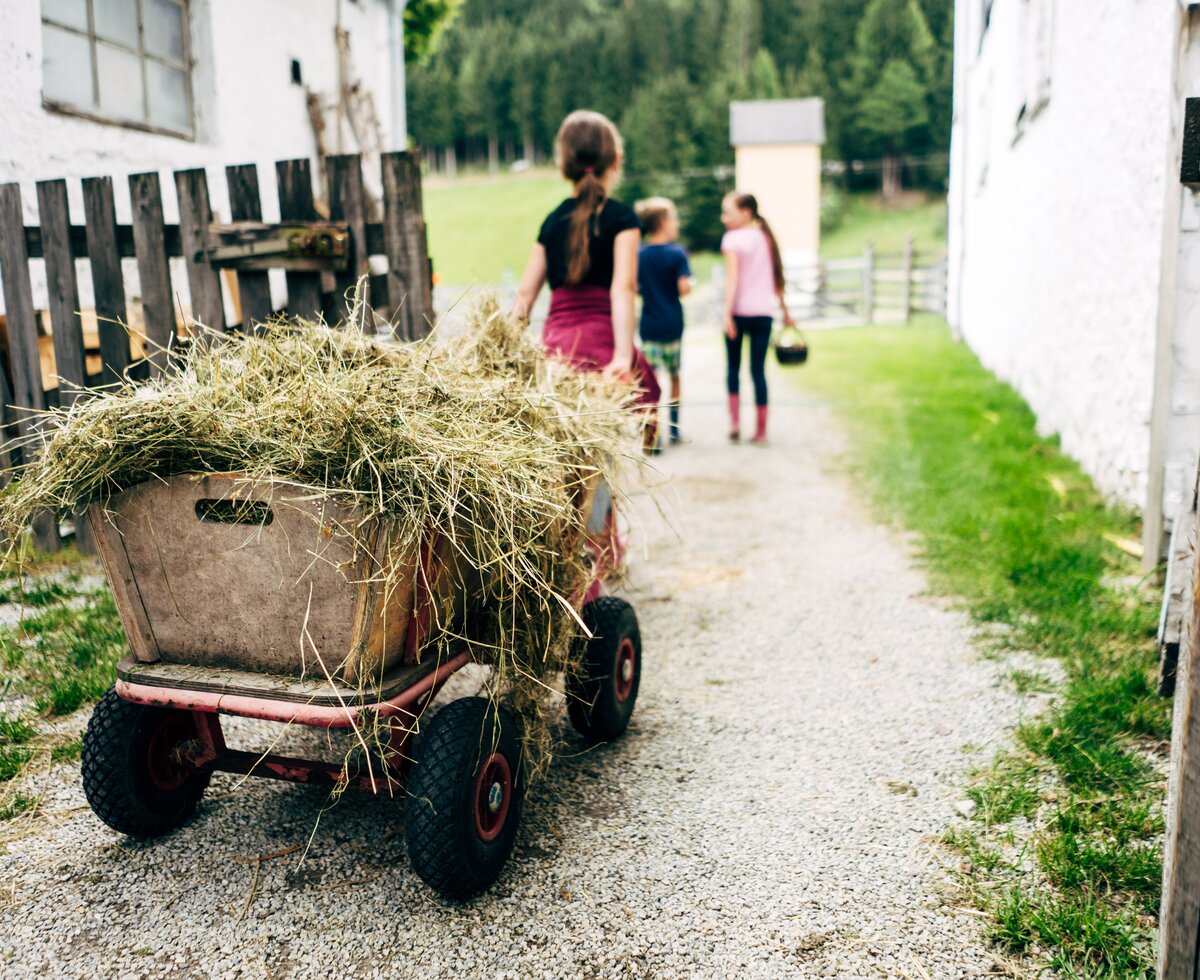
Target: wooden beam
pixel 294 180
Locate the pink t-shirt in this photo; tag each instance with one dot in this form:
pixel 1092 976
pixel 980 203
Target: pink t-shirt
pixel 755 294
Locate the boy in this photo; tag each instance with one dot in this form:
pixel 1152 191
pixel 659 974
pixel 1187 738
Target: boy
pixel 664 275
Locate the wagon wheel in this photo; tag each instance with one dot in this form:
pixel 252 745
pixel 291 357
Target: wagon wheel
pixel 602 695
pixel 464 797
pixel 135 773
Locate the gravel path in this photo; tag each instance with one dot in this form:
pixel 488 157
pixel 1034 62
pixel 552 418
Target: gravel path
pixel 773 812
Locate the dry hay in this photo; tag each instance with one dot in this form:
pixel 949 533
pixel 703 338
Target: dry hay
pixel 482 440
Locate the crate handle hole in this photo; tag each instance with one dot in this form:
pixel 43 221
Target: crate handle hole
pixel 214 511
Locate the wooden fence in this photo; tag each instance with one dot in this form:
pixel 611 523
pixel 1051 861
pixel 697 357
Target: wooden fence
pixel 1179 646
pixel 871 288
pixel 324 249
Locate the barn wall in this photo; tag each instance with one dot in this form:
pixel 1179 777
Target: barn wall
pixel 247 108
pixel 1056 216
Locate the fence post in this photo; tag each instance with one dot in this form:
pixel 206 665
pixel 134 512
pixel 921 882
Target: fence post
pixel 254 287
pixel 294 180
pixel 26 366
pixel 908 278
pixel 404 238
pixel 154 273
pixel 62 290
pixel 346 203
pixel 1179 917
pixel 108 284
pixel 869 283
pixel 195 215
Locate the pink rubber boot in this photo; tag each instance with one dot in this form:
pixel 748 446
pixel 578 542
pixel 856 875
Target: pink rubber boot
pixel 734 418
pixel 760 427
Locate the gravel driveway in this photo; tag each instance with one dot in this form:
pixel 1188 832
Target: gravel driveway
pixel 804 721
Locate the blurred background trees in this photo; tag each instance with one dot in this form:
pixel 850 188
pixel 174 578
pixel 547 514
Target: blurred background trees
pixel 502 74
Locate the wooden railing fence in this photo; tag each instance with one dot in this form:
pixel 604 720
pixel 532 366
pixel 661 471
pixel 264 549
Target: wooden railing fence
pixel 92 347
pixel 871 288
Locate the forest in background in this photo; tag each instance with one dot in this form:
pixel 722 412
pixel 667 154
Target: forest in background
pixel 504 73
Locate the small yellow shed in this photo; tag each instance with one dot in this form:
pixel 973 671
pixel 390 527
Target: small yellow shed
pixel 777 150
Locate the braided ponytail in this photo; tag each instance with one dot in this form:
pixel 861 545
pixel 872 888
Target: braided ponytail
pixel 588 147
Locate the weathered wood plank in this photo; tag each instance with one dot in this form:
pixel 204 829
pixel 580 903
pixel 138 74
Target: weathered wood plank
pixel 347 203
pixel 1179 917
pixel 171 237
pixel 409 288
pixel 195 215
pixel 246 205
pixel 108 284
pixel 158 313
pixel 62 290
pixel 24 362
pixel 294 178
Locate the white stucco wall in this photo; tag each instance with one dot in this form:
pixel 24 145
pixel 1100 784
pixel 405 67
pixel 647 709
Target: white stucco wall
pixel 1056 227
pixel 786 180
pixel 247 109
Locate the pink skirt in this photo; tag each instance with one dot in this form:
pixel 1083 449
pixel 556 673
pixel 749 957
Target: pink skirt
pixel 579 329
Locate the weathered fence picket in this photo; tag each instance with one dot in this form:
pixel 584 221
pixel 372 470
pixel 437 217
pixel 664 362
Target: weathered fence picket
pixel 1179 917
pixel 154 272
pixel 108 285
pixel 294 180
pixel 152 243
pixel 204 282
pixel 254 287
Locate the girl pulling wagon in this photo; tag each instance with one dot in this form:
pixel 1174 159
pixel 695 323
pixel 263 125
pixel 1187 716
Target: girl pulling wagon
pixel 587 250
pixel 753 283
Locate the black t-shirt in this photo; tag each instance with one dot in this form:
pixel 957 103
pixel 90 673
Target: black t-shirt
pixel 613 219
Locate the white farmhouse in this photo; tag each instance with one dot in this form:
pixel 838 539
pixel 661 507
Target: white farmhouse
pixel 1074 248
pixel 113 87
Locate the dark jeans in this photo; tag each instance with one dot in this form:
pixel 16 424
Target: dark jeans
pixel 758 329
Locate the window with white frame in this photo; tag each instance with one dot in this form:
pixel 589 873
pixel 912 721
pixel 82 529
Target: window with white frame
pixel 123 61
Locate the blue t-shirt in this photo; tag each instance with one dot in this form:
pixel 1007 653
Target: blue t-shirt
pixel 660 267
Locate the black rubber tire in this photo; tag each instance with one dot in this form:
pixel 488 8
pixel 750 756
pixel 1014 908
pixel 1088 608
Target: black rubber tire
pixel 593 706
pixel 440 822
pixel 116 774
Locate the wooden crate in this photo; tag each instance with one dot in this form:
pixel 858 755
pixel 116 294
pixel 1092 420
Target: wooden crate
pixel 289 591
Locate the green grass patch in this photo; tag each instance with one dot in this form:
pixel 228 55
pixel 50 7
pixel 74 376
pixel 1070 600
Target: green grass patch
pixel 1011 525
pixel 866 217
pixel 13 805
pixel 481 228
pixel 59 658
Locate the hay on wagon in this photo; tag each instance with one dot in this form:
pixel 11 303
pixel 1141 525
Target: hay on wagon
pixel 480 438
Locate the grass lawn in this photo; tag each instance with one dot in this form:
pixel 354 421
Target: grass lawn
pixel 867 218
pixel 1064 853
pixel 60 657
pixel 481 228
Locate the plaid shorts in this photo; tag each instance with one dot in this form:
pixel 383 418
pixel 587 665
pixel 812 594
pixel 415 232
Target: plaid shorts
pixel 663 355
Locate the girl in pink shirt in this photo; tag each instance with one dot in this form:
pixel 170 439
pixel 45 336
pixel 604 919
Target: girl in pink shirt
pixel 753 284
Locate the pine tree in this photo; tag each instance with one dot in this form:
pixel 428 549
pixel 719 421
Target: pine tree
pixel 890 113
pixel 892 39
pixel 764 82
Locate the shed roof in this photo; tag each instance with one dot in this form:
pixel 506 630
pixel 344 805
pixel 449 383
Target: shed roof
pixel 768 121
